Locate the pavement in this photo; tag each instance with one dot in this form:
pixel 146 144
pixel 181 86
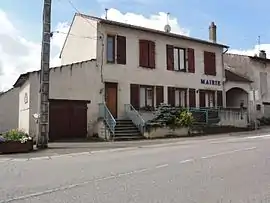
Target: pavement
pixel 205 170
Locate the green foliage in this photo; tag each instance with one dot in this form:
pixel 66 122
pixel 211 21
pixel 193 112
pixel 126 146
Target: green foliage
pixel 16 135
pixel 172 117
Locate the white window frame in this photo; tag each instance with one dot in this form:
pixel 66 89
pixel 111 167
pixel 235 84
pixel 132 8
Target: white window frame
pixel 179 60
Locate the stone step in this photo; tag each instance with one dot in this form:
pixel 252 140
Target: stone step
pixel 128 137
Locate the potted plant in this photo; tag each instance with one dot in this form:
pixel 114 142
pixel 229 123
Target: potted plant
pixel 15 141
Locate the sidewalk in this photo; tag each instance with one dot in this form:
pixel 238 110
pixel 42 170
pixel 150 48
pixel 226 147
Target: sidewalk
pixel 56 149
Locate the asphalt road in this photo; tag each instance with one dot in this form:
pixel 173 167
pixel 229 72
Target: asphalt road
pixel 205 171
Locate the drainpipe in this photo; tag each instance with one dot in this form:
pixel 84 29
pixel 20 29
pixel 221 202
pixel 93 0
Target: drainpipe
pixel 223 78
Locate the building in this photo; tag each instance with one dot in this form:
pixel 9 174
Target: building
pixel 256 68
pixel 117 71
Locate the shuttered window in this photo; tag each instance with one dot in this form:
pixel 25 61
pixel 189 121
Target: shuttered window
pixel 117 44
pixel 202 98
pixel 159 95
pixel 191 61
pixel 170 57
pixel 219 99
pixel 171 96
pixel 135 95
pixel 192 98
pixel 147 54
pixel 209 63
pixel 177 96
pixel 121 50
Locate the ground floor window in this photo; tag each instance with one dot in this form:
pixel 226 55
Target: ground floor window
pixel 207 98
pixel 177 96
pixel 146 97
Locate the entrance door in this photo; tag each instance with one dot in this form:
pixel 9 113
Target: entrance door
pixel 111 97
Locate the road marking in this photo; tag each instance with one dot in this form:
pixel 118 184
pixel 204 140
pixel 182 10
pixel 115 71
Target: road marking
pixel 186 161
pixel 258 136
pixel 162 166
pixel 228 152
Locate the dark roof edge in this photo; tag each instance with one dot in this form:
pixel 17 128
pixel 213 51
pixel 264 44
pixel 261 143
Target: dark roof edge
pixel 239 75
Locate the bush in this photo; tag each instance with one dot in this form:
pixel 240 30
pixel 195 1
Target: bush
pixel 16 135
pixel 172 117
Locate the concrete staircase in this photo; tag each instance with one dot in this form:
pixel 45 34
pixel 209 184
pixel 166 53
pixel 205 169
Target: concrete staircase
pixel 126 130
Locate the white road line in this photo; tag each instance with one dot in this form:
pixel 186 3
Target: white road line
pixel 228 152
pixel 258 136
pixel 162 166
pixel 186 161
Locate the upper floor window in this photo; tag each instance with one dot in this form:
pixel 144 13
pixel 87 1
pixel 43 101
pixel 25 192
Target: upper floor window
pixel 180 59
pixel 209 63
pixel 147 53
pixel 116 44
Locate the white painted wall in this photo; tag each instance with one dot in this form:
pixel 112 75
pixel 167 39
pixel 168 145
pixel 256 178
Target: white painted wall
pixel 79 81
pixel 81 41
pixel 24 107
pixel 9 110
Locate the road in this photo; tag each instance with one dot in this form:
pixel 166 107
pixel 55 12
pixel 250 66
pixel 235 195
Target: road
pixel 205 171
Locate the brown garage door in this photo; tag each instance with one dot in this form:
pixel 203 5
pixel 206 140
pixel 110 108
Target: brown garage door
pixel 68 119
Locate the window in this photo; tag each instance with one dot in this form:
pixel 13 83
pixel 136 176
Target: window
pixel 179 59
pixel 207 98
pixel 209 63
pixel 146 97
pixel 120 49
pixel 110 49
pixel 147 54
pixel 177 97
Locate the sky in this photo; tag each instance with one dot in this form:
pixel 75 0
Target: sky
pixel 239 23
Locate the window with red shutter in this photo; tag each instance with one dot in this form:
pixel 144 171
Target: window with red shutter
pixel 171 96
pixel 191 61
pixel 121 49
pixel 147 53
pixel 135 95
pixel 219 99
pixel 170 58
pixel 192 98
pixel 209 63
pixel 159 95
pixel 202 98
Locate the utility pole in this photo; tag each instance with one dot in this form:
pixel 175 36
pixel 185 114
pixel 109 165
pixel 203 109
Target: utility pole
pixel 43 128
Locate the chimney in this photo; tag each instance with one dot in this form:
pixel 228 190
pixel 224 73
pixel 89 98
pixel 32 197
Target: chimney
pixel 262 54
pixel 213 32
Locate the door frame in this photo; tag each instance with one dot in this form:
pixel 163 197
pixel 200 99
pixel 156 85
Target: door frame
pixel 112 85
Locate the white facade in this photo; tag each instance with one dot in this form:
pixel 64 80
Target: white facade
pixel 9 110
pixel 24 107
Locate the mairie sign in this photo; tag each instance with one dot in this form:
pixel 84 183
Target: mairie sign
pixel 210 82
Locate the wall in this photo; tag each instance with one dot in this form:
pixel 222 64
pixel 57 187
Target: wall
pixel 9 110
pixel 81 43
pixel 24 107
pixel 252 68
pixel 79 81
pixel 132 73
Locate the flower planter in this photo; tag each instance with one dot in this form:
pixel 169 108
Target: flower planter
pixel 16 147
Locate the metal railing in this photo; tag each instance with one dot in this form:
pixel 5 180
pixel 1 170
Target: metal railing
pixel 135 117
pixel 105 113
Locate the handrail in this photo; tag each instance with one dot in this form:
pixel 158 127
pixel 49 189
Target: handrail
pixel 135 117
pixel 105 113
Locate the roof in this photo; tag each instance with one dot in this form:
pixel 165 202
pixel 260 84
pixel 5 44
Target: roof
pixel 233 76
pixel 257 58
pixel 125 25
pixel 25 76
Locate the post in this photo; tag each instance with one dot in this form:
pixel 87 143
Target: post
pixel 42 141
pixel 254 109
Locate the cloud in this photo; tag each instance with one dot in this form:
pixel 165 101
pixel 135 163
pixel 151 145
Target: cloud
pixel 156 21
pixel 252 51
pixel 19 55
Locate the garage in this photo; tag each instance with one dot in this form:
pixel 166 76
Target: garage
pixel 67 120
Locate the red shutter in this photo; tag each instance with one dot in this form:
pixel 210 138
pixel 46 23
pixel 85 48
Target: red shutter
pixel 192 98
pixel 159 95
pixel 135 95
pixel 170 57
pixel 121 49
pixel 171 96
pixel 202 98
pixel 219 99
pixel 209 63
pixel 143 53
pixel 152 54
pixel 191 61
